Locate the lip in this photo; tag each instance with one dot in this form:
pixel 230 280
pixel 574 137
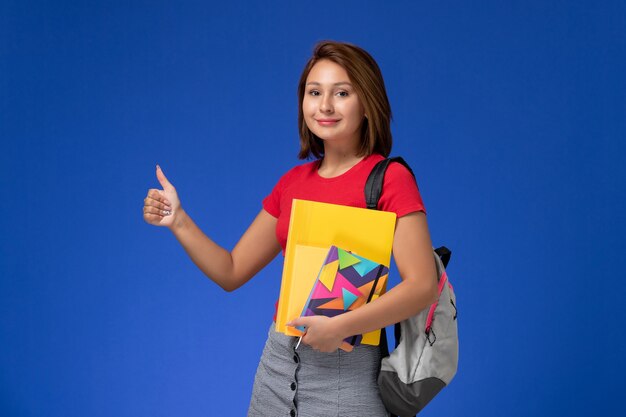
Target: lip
pixel 327 122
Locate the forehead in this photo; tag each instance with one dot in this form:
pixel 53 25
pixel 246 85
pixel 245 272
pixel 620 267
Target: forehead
pixel 327 72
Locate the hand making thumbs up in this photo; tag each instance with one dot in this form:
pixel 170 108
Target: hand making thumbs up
pixel 161 206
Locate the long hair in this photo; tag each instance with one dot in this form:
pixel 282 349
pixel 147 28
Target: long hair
pixel 367 80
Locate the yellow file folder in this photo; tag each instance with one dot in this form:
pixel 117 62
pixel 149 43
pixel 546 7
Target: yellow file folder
pixel 313 228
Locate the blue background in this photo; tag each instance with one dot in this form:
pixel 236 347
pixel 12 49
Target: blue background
pixel 512 114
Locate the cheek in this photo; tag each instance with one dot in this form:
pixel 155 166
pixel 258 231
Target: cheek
pixel 356 114
pixel 308 107
pixel 308 111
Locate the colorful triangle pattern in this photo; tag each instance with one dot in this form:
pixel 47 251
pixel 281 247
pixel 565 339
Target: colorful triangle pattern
pixel 346 259
pixel 348 298
pixel 320 290
pixel 328 273
pixel 345 283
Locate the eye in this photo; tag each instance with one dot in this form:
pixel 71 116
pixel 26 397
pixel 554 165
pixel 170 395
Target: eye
pixel 314 93
pixel 342 94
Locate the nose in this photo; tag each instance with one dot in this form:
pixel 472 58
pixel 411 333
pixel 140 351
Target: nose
pixel 326 104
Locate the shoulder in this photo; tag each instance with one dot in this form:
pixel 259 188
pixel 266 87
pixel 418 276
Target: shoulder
pixel 288 181
pixel 400 192
pixel 398 175
pixel 302 169
pixel 297 172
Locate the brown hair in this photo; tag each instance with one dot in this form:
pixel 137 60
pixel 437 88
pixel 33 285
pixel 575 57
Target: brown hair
pixel 368 83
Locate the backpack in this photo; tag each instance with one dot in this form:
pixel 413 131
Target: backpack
pixel 425 358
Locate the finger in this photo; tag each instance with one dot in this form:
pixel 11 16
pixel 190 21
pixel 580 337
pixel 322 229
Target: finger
pixel 149 201
pixel 152 218
pixel 156 196
pixel 300 321
pixel 159 195
pixel 157 205
pixel 157 211
pixel 163 179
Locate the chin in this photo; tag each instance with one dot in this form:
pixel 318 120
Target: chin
pixel 328 138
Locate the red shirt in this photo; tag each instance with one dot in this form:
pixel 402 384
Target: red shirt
pixel 400 193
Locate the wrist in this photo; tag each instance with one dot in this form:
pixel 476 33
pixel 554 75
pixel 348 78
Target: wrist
pixel 179 220
pixel 340 327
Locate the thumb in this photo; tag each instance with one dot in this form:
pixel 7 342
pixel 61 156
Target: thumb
pixel 162 178
pixel 299 322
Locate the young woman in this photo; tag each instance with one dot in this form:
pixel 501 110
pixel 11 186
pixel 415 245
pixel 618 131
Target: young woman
pixel 344 120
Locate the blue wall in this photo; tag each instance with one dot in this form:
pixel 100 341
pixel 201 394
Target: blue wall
pixel 511 113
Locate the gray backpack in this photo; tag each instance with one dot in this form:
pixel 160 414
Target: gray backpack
pixel 427 345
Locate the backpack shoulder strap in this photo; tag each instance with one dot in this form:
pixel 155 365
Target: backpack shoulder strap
pixel 374 184
pixel 444 254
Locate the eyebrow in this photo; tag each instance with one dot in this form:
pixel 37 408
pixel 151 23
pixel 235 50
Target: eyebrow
pixel 339 83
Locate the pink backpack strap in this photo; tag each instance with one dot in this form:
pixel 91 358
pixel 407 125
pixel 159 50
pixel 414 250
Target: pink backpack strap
pixel 431 313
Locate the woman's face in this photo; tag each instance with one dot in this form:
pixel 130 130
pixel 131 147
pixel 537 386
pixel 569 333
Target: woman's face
pixel 332 109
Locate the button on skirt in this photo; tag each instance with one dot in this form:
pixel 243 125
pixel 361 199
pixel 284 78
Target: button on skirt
pixel 307 383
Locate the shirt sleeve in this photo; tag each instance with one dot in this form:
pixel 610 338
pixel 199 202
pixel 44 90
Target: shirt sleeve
pixel 400 192
pixel 271 203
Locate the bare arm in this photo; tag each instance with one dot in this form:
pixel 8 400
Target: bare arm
pixel 230 270
pixel 413 254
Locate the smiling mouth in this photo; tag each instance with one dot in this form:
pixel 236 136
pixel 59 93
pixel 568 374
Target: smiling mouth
pixel 327 122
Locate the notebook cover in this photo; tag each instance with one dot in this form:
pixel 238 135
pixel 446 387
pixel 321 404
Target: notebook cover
pixel 344 283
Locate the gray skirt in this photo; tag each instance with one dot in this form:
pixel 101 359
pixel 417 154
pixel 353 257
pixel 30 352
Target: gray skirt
pixel 308 383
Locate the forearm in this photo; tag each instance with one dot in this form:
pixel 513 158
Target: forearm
pixel 213 260
pixel 404 300
pixel 228 269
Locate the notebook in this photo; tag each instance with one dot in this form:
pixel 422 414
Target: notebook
pixel 344 283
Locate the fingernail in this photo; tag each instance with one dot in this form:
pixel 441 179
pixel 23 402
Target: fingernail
pixel 158 167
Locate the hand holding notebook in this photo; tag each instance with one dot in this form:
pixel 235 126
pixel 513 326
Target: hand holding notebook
pixel 344 283
pixel 319 334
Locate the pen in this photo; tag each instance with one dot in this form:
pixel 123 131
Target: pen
pixel 298 344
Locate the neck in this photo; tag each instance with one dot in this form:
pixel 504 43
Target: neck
pixel 337 161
